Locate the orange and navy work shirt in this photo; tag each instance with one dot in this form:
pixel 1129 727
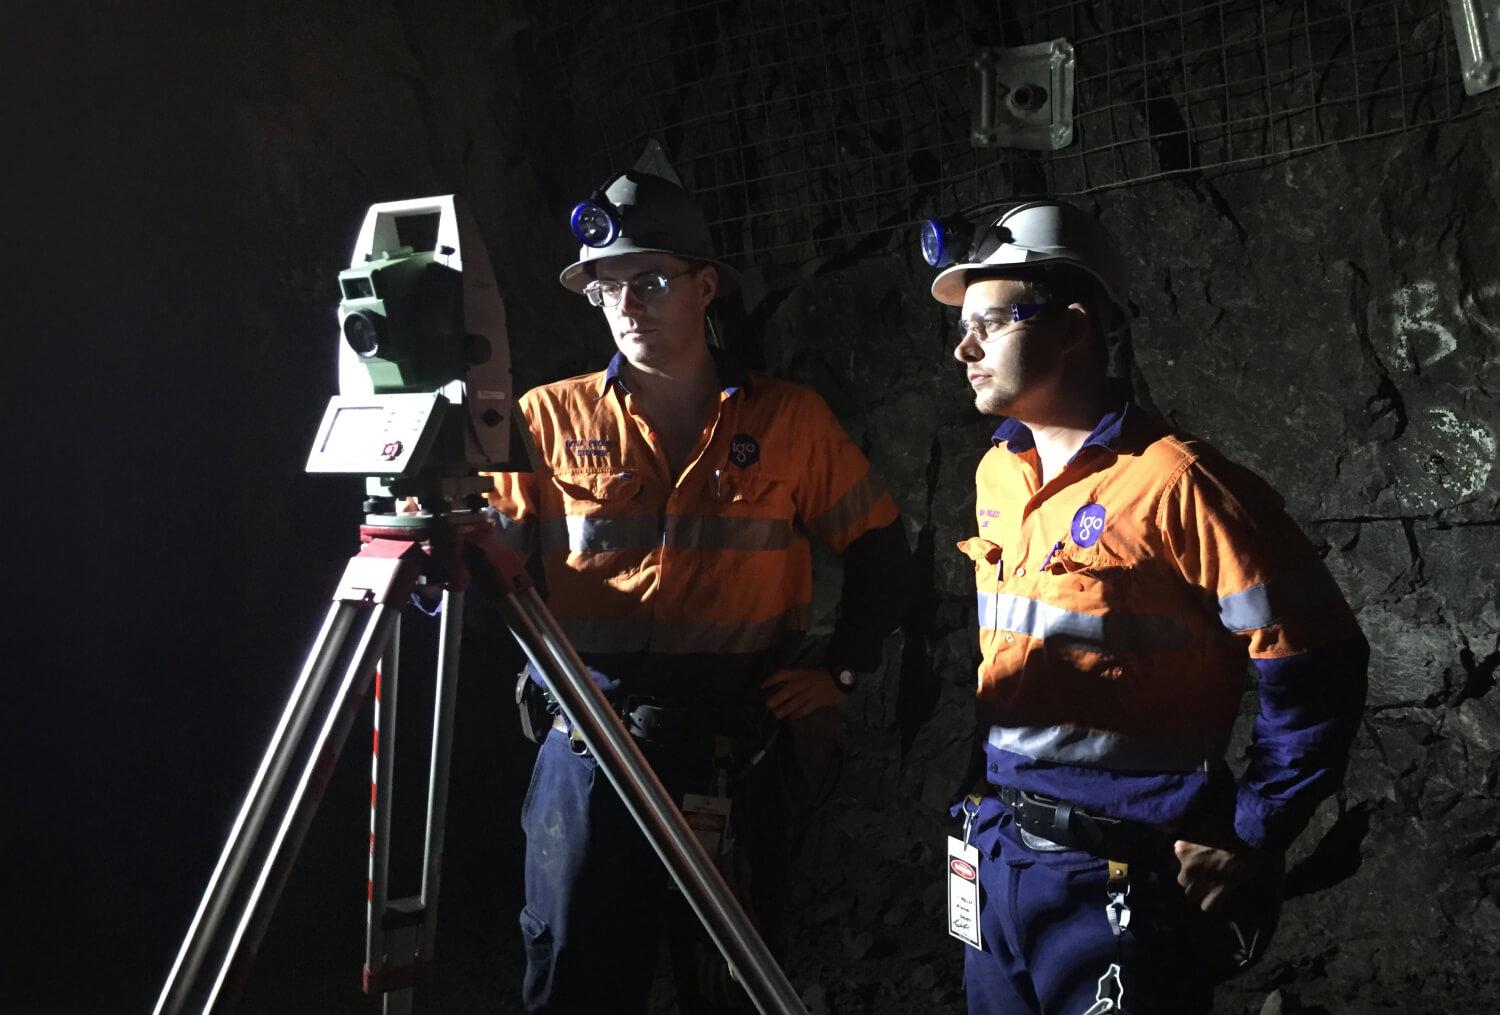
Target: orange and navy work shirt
pixel 1118 605
pixel 716 565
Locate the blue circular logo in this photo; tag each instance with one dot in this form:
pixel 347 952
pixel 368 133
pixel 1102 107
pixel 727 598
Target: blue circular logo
pixel 1088 524
pixel 744 450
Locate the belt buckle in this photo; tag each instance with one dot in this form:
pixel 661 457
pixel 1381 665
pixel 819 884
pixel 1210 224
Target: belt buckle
pixel 1023 807
pixel 1074 827
pixel 1039 844
pixel 1038 799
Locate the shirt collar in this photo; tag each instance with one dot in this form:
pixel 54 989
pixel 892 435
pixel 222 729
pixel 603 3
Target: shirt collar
pixel 612 375
pixel 1017 437
pixel 732 376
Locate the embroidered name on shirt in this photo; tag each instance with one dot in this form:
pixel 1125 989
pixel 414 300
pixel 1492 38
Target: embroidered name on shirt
pixel 589 447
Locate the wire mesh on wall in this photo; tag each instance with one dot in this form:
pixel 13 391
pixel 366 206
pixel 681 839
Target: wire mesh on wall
pixel 828 127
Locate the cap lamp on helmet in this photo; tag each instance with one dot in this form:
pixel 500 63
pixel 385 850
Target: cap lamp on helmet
pixel 641 213
pixel 1037 234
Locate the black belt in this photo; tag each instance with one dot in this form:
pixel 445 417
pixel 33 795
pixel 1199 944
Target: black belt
pixel 651 720
pixel 1064 824
pixel 654 721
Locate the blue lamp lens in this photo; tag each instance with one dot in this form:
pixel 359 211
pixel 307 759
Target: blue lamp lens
pixel 934 250
pixel 593 225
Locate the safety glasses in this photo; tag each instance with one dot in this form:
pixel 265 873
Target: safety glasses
pixel 648 286
pixel 997 319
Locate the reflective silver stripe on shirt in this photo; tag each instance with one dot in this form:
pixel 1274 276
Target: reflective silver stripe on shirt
pixel 578 534
pixel 520 537
pixel 714 532
pixel 1071 745
pixel 850 508
pixel 682 636
pixel 1094 632
pixel 1283 596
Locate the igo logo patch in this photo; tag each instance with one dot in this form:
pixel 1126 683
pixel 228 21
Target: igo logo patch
pixel 1088 524
pixel 744 450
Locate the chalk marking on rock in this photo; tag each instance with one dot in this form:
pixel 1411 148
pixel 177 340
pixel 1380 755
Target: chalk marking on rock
pixel 1456 454
pixel 1474 472
pixel 1416 306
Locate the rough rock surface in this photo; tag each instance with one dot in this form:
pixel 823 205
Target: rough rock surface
pixel 1332 322
pixel 1331 319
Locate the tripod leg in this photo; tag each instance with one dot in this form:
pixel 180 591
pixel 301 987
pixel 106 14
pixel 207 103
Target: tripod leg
pixel 501 572
pixel 380 575
pixel 278 759
pixel 442 757
pixel 407 930
pixel 382 769
pixel 621 760
pixel 307 793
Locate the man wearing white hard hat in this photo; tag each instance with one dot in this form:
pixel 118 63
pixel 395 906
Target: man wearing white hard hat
pixel 672 506
pixel 1111 858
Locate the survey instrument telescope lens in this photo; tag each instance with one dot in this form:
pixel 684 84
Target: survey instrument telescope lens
pixel 362 330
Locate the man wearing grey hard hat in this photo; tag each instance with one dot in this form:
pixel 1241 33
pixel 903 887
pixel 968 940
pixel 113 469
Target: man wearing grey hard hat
pixel 1126 574
pixel 671 506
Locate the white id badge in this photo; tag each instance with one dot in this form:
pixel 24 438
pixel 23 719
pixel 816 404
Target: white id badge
pixel 963 892
pixel 708 817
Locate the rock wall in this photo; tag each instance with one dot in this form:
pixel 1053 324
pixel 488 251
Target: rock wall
pixel 1332 320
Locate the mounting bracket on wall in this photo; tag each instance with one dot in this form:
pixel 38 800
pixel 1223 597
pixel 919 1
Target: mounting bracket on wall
pixel 1476 23
pixel 1025 97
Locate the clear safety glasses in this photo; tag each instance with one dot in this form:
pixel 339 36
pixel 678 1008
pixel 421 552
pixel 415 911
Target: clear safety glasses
pixel 648 286
pixel 997 319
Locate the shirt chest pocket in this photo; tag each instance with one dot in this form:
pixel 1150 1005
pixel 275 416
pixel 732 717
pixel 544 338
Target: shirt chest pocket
pixel 744 524
pixel 987 558
pixel 1098 627
pixel 590 492
pixel 757 494
pixel 1086 579
pixel 600 511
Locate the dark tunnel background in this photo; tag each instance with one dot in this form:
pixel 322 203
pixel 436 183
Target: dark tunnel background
pixel 186 182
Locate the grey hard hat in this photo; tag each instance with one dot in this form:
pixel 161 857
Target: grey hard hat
pixel 656 216
pixel 1037 233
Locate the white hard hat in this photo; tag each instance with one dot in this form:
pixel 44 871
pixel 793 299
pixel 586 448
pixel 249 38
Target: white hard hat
pixel 1035 234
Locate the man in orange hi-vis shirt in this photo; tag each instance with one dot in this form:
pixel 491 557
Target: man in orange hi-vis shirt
pixel 671 506
pixel 1126 575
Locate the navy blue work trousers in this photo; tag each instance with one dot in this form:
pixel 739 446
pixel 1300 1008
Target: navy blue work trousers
pixel 1048 941
pixel 600 903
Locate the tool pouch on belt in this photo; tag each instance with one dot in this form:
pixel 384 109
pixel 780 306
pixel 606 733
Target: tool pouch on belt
pixel 535 711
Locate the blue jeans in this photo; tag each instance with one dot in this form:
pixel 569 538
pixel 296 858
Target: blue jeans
pixel 599 902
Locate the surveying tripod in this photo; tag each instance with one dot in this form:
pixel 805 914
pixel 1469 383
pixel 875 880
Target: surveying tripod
pixel 358 643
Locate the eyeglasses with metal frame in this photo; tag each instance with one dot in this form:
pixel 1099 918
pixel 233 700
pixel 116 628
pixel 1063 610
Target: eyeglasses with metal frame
pixel 648 286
